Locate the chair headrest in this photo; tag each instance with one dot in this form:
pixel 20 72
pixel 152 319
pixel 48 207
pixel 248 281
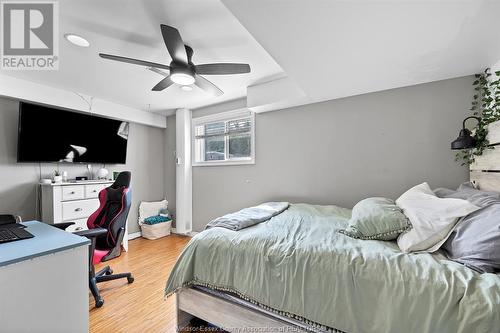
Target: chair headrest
pixel 122 180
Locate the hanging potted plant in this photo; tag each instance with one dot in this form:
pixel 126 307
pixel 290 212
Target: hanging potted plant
pixel 485 106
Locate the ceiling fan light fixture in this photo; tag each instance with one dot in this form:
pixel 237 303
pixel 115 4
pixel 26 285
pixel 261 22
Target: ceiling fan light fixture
pixel 181 70
pixel 77 40
pixel 182 78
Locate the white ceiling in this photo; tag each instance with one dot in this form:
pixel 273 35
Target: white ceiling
pixel 131 28
pixel 328 48
pixel 335 48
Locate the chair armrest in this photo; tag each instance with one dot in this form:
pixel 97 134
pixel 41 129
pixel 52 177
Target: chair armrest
pixel 63 225
pixel 91 233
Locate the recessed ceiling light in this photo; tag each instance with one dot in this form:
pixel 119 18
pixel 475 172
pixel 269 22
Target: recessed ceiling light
pixel 186 88
pixel 77 40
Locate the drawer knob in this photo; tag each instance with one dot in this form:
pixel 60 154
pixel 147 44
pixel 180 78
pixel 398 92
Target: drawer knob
pixel 72 192
pixel 78 209
pixel 94 191
pixel 78 228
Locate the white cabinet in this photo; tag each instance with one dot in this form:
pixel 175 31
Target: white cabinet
pixel 92 191
pixel 79 225
pixel 72 192
pixel 78 209
pixel 72 202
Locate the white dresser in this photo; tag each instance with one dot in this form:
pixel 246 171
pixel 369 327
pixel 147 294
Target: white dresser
pixel 72 202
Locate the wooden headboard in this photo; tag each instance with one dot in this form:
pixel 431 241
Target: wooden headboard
pixel 485 171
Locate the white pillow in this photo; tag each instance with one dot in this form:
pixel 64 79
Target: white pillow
pixel 432 218
pixel 147 209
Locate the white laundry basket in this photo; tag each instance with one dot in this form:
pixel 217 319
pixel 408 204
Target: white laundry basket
pixel 153 231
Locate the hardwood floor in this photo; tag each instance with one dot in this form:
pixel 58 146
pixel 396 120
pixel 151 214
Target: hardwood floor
pixel 140 306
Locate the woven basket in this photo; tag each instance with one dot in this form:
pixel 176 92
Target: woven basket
pixel 155 231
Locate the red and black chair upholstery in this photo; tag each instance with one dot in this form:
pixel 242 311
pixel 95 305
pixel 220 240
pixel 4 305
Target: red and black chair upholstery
pixel 106 231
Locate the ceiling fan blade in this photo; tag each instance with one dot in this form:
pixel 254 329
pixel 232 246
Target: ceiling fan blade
pixel 222 69
pixel 133 61
pixel 208 86
pixel 174 43
pixel 165 83
pixel 159 71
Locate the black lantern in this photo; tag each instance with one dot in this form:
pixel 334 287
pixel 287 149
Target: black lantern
pixel 465 140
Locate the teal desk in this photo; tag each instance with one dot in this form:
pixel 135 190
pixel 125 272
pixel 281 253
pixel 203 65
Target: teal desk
pixel 47 240
pixel 44 282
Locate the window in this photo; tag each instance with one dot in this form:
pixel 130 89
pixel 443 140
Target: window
pixel 224 139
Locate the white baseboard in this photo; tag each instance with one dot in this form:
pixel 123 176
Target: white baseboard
pixel 173 231
pixel 134 235
pixel 190 234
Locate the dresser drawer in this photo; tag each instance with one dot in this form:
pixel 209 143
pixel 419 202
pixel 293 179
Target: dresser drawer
pixel 92 191
pixel 78 226
pixel 75 210
pixel 72 192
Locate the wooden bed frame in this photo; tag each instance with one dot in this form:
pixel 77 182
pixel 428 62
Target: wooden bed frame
pixel 232 313
pixel 236 315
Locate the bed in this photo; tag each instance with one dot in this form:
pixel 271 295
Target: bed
pixel 296 272
pixel 304 270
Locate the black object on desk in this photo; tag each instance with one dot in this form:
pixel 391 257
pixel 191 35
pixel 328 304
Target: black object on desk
pixel 10 230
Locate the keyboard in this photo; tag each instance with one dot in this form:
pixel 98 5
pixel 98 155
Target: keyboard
pixel 13 234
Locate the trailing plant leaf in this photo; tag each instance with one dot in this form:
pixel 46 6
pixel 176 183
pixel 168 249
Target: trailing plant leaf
pixel 486 105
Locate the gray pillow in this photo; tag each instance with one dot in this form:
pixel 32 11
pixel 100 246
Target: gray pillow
pixel 376 218
pixel 467 192
pixel 484 197
pixel 475 241
pixel 444 192
pixel 467 186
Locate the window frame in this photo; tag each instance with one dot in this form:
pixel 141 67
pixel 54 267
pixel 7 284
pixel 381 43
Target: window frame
pixel 225 117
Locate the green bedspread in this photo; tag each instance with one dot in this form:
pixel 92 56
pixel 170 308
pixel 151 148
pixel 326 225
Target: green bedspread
pixel 298 264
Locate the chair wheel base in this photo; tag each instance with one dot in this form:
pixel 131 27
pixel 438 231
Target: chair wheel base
pixel 130 279
pixel 99 303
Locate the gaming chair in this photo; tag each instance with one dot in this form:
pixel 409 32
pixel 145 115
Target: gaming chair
pixel 106 231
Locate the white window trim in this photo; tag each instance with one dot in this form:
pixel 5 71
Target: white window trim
pixel 224 116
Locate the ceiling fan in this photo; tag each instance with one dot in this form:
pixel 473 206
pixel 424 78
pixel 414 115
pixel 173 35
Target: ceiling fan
pixel 181 69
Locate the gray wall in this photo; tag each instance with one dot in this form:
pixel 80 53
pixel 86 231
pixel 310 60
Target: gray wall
pixel 341 151
pixel 145 159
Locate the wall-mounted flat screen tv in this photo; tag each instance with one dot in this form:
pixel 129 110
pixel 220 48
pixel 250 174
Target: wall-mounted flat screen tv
pixel 48 134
